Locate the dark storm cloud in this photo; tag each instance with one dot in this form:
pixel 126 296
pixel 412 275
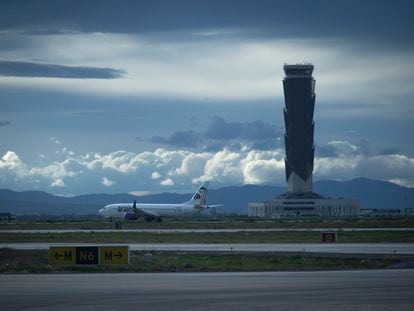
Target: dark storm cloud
pixel 26 69
pixel 4 123
pixel 181 139
pixel 295 18
pixel 220 134
pixel 251 131
pixel 390 151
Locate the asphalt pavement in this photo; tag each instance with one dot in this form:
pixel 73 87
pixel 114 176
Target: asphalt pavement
pixel 322 290
pixel 321 248
pixel 203 230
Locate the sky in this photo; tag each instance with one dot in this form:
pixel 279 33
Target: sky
pixel 153 96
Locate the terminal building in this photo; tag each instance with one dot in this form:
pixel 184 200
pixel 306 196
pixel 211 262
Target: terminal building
pixel 296 208
pixel 300 200
pixel 7 218
pixel 387 213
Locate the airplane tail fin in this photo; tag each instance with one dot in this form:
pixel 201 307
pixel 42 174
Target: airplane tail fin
pixel 200 196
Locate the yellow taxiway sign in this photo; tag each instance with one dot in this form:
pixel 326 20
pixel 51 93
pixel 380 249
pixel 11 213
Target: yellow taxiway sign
pixel 89 255
pixel 62 255
pixel 114 255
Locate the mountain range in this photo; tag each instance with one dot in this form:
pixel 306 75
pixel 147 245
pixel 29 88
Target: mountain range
pixel 371 193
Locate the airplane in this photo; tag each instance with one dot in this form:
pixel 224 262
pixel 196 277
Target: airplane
pixel 133 211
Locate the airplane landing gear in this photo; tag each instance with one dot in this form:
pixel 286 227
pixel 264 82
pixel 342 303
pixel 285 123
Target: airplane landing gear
pixel 118 225
pixel 150 219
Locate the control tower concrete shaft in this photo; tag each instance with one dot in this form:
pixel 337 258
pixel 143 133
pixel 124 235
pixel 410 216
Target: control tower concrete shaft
pixel 299 90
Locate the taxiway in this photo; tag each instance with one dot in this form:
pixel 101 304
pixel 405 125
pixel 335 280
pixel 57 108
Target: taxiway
pixel 322 248
pixel 322 290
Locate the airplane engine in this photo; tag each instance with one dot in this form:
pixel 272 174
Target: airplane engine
pixel 130 216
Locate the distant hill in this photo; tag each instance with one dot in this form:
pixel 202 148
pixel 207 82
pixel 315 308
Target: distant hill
pixel 371 193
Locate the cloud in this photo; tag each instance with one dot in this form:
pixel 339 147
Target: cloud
pixel 106 182
pixel 344 160
pixel 167 182
pixel 54 140
pixel 389 151
pixel 260 135
pixel 4 123
pixel 180 139
pixel 58 183
pixel 181 169
pixel 218 128
pixel 10 159
pixel 28 69
pixel 203 18
pixel 155 175
pixel 337 148
pixel 181 67
pixel 12 166
pixel 222 134
pixel 393 168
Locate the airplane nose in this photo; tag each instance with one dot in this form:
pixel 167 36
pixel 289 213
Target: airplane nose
pixel 101 211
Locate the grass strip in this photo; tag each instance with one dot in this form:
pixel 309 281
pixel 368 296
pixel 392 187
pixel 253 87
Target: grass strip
pixel 36 261
pixel 245 223
pixel 216 237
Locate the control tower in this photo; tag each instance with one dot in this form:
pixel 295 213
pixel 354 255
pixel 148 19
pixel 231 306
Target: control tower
pixel 300 200
pixel 299 90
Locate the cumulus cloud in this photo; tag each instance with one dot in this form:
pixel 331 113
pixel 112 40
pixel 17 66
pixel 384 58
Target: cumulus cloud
pixel 155 175
pixel 64 151
pixel 338 148
pixel 58 183
pixel 344 160
pixel 167 182
pixel 181 169
pixel 106 182
pixel 11 164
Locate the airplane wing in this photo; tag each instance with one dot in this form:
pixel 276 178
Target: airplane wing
pixel 143 213
pixel 140 212
pixel 217 205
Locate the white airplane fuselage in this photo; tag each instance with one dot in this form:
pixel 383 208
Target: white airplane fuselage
pixel 120 210
pixel 132 211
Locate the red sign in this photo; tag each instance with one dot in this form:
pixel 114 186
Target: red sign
pixel 328 237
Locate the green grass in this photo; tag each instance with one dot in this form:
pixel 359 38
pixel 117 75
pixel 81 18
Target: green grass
pixel 216 237
pixel 237 223
pixel 36 261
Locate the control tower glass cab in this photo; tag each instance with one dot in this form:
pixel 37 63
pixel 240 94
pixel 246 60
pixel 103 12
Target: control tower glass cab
pixel 299 91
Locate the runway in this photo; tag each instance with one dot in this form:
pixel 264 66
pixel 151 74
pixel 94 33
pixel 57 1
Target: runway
pixel 322 290
pixel 335 248
pixel 202 230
